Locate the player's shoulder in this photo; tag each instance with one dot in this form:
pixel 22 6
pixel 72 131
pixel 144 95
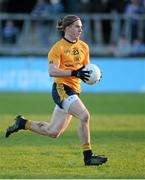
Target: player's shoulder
pixel 56 46
pixel 84 44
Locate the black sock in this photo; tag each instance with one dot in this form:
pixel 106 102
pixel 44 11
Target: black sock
pixel 87 154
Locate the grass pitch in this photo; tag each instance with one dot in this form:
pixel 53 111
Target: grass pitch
pixel 117 130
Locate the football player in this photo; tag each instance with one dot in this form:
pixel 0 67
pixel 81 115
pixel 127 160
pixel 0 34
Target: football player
pixel 67 58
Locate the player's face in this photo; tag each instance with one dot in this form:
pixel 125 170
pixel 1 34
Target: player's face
pixel 75 30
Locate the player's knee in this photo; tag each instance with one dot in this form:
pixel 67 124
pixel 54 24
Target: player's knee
pixel 85 117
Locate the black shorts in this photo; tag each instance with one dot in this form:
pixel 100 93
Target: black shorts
pixel 60 92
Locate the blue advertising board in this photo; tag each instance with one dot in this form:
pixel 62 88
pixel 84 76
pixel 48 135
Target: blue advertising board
pixel 30 74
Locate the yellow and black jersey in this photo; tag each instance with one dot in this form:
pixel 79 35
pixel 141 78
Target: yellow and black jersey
pixel 69 56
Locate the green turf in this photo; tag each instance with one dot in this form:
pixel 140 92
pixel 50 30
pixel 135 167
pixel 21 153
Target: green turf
pixel 117 130
pixel 100 103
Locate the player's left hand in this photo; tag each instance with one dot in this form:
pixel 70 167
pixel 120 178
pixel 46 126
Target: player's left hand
pixel 79 73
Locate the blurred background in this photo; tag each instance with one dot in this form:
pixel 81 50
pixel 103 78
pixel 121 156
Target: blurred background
pixel 114 30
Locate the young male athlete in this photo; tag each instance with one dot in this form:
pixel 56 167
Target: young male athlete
pixel 67 58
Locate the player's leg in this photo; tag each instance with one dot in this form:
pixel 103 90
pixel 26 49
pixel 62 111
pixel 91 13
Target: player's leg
pixel 78 109
pixel 59 121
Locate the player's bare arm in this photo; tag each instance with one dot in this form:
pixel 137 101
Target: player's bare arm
pixel 55 71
